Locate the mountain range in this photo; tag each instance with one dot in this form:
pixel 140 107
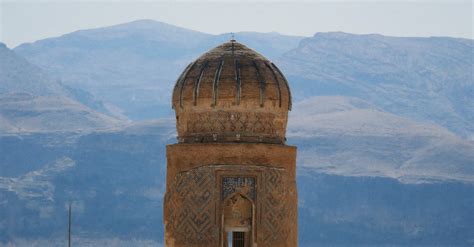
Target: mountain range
pixel 383 125
pixel 349 136
pixel 426 79
pixel 32 101
pixel 134 66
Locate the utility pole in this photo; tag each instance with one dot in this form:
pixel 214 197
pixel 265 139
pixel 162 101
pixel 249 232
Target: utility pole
pixel 69 227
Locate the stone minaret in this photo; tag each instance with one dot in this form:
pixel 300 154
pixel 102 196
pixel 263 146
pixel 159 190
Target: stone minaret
pixel 231 178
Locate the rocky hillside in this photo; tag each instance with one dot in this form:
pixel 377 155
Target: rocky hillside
pixel 134 65
pixel 17 75
pixel 426 79
pixel 115 180
pixel 31 101
pixel 351 137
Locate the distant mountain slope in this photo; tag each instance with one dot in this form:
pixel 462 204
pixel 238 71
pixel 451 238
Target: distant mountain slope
pixel 32 113
pixel 134 65
pixel 272 45
pixel 116 181
pixel 31 101
pixel 351 137
pixel 6 126
pixel 429 79
pixel 18 75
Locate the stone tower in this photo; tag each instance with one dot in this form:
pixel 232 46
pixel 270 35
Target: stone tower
pixel 231 178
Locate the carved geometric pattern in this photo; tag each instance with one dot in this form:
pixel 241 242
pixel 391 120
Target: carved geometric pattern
pixel 232 122
pixel 274 208
pixel 244 185
pixel 190 206
pixel 192 203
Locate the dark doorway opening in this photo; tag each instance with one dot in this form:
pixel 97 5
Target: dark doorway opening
pixel 238 239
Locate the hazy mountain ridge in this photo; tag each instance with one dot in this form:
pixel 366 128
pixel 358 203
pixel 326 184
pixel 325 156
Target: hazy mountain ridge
pixel 135 65
pixel 427 79
pixel 31 101
pixel 113 175
pixel 116 181
pixel 18 75
pixel 351 137
pixel 134 59
pixel 377 211
pixel 30 113
pixel 37 184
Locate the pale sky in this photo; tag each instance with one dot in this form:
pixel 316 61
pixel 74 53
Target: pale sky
pixel 26 21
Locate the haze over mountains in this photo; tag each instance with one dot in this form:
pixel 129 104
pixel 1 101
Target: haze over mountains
pixel 384 128
pixel 427 79
pixel 135 65
pixel 348 136
pixel 31 101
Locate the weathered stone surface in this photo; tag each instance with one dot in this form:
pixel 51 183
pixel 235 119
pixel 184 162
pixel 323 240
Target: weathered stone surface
pixel 231 171
pixel 198 205
pixel 231 93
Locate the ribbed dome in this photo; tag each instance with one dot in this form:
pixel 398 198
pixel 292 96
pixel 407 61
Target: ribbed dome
pixel 231 94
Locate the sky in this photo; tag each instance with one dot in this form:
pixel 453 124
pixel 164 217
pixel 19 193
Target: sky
pixel 26 21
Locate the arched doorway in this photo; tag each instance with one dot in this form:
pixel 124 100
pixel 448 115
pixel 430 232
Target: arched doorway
pixel 238 214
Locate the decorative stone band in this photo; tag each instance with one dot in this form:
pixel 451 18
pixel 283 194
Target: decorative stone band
pixel 229 138
pixel 225 126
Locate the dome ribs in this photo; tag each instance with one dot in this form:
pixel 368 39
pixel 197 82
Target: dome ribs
pixel 198 81
pixel 286 84
pixel 179 84
pixel 183 80
pixel 215 83
pixel 261 82
pixel 237 80
pixel 176 85
pixel 231 95
pixel 277 82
